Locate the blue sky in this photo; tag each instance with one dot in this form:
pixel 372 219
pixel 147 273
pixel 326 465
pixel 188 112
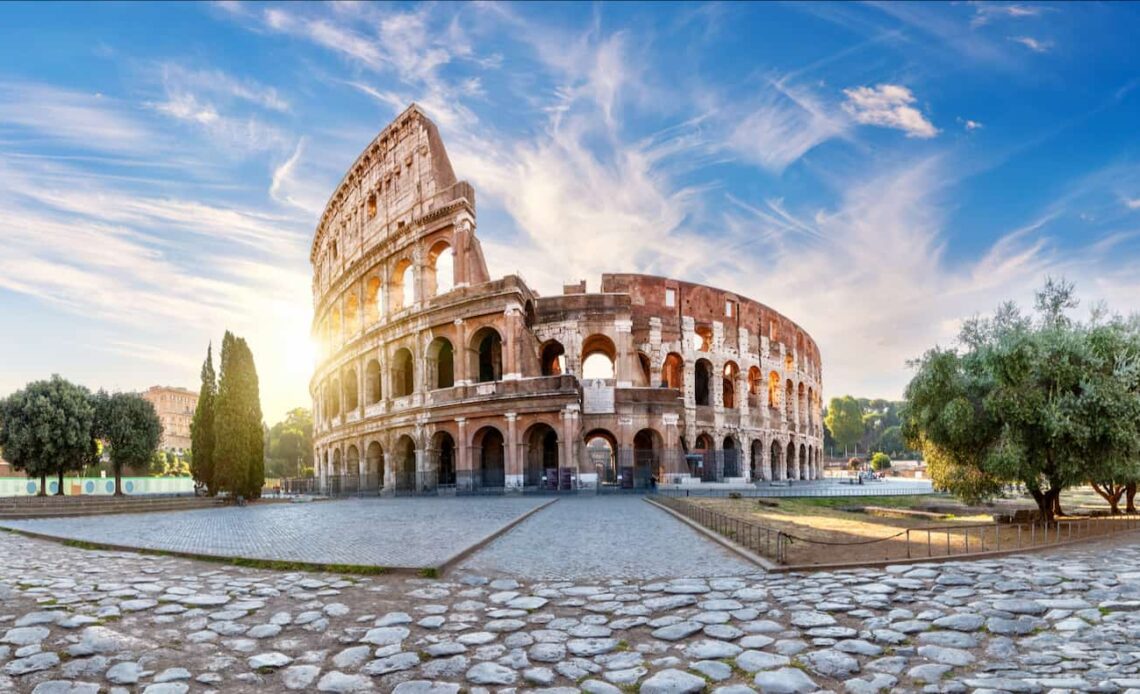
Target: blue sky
pixel 875 171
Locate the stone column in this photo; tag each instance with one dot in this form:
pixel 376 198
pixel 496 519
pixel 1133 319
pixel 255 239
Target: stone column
pixel 513 469
pixel 461 359
pixel 511 322
pixel 745 458
pixel 361 396
pixel 361 461
pixel 626 363
pixel 671 449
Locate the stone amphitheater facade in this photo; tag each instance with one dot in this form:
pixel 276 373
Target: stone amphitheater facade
pixel 434 376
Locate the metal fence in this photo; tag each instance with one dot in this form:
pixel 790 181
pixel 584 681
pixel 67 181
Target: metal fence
pixel 908 543
pixel 796 489
pixel 768 542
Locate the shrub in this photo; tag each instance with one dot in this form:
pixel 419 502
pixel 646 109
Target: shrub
pixel 880 461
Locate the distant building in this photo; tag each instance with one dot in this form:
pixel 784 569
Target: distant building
pixel 175 408
pixel 6 469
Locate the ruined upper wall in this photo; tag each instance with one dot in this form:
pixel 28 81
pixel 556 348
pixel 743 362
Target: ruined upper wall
pixel 405 164
pixel 705 305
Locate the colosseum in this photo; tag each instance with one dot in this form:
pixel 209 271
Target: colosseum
pixel 435 378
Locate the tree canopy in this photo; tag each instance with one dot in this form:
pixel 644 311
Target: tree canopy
pixel 844 420
pixel 47 428
pixel 202 439
pixel 289 444
pixel 129 424
pixel 239 452
pixel 1041 400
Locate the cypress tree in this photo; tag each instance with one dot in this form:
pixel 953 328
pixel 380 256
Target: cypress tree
pixel 239 465
pixel 202 428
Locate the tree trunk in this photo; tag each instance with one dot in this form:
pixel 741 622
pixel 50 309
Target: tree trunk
pixel 1130 496
pixel 1110 493
pixel 43 485
pixel 59 491
pixel 118 482
pixel 1048 503
pixel 1057 510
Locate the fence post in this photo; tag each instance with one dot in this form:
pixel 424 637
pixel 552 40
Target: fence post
pixel 908 543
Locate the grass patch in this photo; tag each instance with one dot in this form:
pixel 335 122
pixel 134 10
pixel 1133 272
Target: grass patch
pixel 622 645
pixel 429 572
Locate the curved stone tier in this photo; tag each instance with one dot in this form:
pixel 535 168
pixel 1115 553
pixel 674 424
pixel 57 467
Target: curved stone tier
pixel 434 376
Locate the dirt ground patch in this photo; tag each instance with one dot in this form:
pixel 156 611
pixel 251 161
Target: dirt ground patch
pixel 833 530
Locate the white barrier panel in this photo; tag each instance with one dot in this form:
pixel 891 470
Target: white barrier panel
pixel 97 486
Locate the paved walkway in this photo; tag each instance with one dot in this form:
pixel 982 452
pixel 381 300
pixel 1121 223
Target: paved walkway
pixel 603 537
pixel 413 532
pixel 81 622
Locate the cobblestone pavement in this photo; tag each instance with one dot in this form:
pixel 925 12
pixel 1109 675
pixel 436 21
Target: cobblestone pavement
pixel 416 532
pixel 73 620
pixel 592 537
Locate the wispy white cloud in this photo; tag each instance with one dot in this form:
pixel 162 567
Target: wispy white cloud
pixel 1132 203
pixel 970 125
pixel 787 123
pixel 61 116
pixel 986 12
pixel 888 106
pixel 1035 45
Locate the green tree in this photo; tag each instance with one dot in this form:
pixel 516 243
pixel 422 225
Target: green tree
pixel 48 428
pixel 239 455
pixel 132 430
pixel 289 444
pixel 880 461
pixel 1044 401
pixel 844 420
pixel 202 438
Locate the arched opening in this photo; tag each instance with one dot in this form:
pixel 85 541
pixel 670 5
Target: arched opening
pixel 643 376
pixel 372 389
pixel 702 338
pixel 810 418
pixel 404 464
pixel 647 447
pixel 775 462
pixel 374 465
pixel 528 314
pixel 403 373
pixel 673 371
pixel 487 353
pixel 553 358
pixel 789 363
pixel 441 363
pixel 440 269
pixel 707 465
pixel 703 382
pixel 490 467
pixel 774 390
pixel 601 452
pixel 371 205
pixel 801 400
pixel 792 472
pixel 542 468
pixel 728 385
pixel 338 467
pixel 351 391
pixel 351 314
pixel 373 300
pixel 789 405
pixel 443 450
pixel 598 357
pixel 403 291
pixel 754 465
pixel 755 385
pixel 334 397
pixel 731 458
pixel 804 472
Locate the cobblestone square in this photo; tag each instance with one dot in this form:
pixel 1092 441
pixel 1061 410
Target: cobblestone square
pixel 414 532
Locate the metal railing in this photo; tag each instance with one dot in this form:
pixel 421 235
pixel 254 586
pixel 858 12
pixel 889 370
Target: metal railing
pixel 997 537
pixel 917 543
pixel 768 542
pixel 801 488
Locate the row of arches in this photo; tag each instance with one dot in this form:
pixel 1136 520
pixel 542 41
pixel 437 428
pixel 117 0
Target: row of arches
pixel 386 291
pixel 541 459
pixel 342 391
